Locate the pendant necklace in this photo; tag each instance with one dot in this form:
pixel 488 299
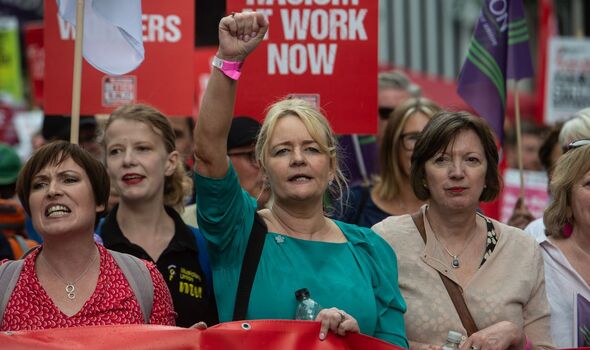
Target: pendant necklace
pixel 455 263
pixel 70 286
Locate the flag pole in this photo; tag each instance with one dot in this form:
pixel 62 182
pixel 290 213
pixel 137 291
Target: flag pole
pixel 359 159
pixel 519 140
pixel 77 79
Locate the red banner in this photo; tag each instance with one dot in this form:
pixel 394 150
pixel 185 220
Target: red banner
pixel 321 51
pixel 250 335
pixel 35 54
pixel 8 133
pixel 163 80
pixel 202 61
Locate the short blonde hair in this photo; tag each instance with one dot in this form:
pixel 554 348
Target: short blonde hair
pixel 570 168
pixel 576 128
pixel 319 129
pixel 176 186
pixel 388 184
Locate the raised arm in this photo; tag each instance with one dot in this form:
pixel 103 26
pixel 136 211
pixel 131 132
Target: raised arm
pixel 239 34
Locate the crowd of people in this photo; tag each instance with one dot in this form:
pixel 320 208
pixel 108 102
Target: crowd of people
pixel 162 224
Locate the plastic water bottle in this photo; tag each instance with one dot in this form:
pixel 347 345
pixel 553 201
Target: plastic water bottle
pixel 307 308
pixel 453 341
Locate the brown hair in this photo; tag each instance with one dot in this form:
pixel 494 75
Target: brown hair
pixel 438 134
pixel 55 153
pixel 177 185
pixel 388 185
pixel 570 168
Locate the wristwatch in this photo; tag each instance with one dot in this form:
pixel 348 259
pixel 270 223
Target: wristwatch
pixel 230 68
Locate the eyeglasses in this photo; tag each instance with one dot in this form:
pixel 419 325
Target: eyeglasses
pixel 385 112
pixel 576 144
pixel 250 155
pixel 409 140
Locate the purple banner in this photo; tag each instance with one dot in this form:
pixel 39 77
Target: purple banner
pixel 583 317
pixel 499 50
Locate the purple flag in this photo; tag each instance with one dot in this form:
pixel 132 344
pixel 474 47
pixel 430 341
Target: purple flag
pixel 499 50
pixel 582 320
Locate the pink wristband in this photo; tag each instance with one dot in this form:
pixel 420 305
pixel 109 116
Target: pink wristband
pixel 232 69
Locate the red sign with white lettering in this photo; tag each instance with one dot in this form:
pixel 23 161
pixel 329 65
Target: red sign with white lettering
pixel 164 79
pixel 322 51
pixel 203 57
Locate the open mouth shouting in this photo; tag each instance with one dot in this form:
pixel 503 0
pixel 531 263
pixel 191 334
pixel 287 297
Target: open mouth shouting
pixel 57 210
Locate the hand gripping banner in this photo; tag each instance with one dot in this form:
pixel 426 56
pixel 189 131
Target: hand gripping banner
pixel 249 335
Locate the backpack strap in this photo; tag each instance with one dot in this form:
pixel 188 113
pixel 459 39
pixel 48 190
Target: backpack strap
pixel 140 280
pixel 203 257
pixel 249 267
pixel 22 243
pixel 6 251
pixel 9 273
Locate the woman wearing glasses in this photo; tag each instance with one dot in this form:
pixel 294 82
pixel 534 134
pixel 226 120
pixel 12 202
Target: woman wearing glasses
pixel 392 193
pixel 565 245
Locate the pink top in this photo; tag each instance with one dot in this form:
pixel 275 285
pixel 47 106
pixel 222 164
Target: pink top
pixel 112 302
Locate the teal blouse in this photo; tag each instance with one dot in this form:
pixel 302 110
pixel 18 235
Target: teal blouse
pixel 359 276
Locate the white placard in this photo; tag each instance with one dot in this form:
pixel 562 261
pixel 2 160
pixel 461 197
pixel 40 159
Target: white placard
pixel 568 78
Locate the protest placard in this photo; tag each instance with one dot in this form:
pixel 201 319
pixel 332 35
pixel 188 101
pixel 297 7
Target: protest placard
pixel 324 51
pixel 163 80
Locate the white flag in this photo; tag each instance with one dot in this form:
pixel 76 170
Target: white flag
pixel 113 40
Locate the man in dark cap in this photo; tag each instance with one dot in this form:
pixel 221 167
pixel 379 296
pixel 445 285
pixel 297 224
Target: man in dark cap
pixel 240 150
pixel 57 127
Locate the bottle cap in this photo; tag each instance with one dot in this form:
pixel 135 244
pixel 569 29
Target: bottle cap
pixel 301 294
pixel 454 337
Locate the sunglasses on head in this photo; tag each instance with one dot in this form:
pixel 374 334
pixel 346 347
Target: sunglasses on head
pixel 385 112
pixel 576 144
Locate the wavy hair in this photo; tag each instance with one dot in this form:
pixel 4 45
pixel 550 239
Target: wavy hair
pixel 570 168
pixel 388 184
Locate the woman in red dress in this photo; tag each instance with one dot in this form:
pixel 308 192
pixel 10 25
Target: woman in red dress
pixel 70 280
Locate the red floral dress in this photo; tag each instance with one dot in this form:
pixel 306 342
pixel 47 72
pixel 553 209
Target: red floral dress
pixel 113 301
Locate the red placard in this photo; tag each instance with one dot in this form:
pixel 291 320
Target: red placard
pixel 323 51
pixel 202 60
pixel 8 133
pixel 35 54
pixel 163 80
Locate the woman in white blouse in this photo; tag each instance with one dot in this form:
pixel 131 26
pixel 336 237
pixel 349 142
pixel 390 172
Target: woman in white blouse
pixel 566 245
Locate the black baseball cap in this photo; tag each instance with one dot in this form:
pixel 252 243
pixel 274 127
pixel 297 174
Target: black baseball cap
pixel 57 127
pixel 243 132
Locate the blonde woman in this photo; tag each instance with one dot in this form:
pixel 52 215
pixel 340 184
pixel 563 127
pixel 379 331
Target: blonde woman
pixel 392 193
pixel 349 270
pixel 564 244
pixel 148 173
